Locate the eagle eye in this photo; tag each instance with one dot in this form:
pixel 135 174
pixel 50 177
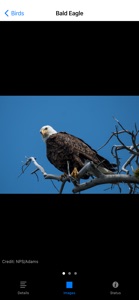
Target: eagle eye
pixel 46 128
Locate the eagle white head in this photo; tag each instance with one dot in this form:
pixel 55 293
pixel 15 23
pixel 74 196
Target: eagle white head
pixel 46 131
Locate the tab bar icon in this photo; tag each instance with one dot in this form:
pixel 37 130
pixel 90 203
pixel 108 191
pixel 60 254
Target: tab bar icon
pixel 23 284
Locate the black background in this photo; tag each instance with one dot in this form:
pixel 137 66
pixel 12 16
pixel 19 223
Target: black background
pixel 95 235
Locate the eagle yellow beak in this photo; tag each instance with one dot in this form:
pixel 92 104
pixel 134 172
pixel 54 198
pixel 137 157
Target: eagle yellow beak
pixel 42 132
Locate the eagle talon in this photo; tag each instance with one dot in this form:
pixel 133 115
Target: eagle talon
pixel 74 173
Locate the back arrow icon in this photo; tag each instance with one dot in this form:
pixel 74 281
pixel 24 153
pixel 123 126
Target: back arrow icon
pixel 6 13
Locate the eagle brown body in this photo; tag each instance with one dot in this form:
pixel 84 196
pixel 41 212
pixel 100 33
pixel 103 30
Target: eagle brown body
pixel 62 147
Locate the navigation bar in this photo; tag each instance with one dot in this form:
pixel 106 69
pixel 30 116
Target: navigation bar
pixel 69 10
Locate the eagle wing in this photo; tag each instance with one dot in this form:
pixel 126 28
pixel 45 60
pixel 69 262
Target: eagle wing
pixel 88 153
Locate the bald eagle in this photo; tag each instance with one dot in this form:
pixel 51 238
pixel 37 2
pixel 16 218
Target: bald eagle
pixel 62 147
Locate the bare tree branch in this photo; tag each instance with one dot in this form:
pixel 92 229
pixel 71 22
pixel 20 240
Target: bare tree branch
pixel 128 162
pixel 88 168
pixel 39 167
pixel 125 147
pixel 105 143
pixel 114 179
pixel 124 130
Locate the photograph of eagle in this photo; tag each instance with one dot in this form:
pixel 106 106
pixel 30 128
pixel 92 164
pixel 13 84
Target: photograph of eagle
pixel 62 147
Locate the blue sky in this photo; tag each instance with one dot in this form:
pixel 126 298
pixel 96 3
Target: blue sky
pixel 87 117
